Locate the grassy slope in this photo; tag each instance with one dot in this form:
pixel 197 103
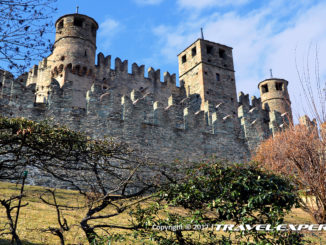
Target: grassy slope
pixel 37 216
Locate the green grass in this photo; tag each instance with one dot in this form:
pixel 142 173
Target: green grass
pixel 37 216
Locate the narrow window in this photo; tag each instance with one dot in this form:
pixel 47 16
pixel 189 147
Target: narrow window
pixel 217 77
pixel 69 66
pixel 264 88
pixel 83 71
pixel 93 30
pixel 85 54
pixel 78 22
pixel 278 86
pixel 60 68
pixel 77 68
pixel 184 59
pixel 266 107
pixel 209 49
pixel 60 25
pixel 221 53
pixel 193 51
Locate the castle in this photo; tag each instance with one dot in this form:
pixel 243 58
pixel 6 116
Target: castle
pixel 198 119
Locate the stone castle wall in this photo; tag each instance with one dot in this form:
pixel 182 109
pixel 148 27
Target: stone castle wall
pixel 164 131
pixel 156 117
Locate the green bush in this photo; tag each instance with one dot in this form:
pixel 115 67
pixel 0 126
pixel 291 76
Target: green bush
pixel 213 194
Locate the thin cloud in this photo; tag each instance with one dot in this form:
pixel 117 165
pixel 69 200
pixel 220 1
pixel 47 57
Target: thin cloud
pixel 148 2
pixel 108 26
pixel 108 30
pixel 209 3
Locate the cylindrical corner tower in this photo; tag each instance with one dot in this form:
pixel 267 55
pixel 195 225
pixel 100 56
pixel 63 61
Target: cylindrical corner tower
pixel 275 97
pixel 75 44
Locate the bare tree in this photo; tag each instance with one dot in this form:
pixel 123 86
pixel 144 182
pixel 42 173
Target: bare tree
pixel 23 28
pixel 312 85
pixel 10 206
pixel 63 224
pixel 110 175
pixel 300 152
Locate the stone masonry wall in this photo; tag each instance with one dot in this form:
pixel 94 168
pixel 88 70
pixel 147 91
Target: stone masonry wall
pixel 164 131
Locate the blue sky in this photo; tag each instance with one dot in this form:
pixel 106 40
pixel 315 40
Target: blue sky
pixel 273 34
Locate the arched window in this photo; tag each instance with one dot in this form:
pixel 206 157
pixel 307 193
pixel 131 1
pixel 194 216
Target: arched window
pixel 278 86
pixel 60 68
pixel 264 88
pixel 78 21
pixel 77 69
pixel 83 71
pixel 60 25
pixel 69 67
pixel 55 71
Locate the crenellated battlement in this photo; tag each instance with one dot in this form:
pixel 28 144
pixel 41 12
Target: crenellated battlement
pixel 135 114
pixel 118 78
pixel 32 75
pixel 138 71
pixel 258 123
pixel 134 117
pixel 74 69
pixel 103 62
pixel 137 108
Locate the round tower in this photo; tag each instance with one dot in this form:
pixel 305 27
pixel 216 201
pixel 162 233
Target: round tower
pixel 75 45
pixel 275 97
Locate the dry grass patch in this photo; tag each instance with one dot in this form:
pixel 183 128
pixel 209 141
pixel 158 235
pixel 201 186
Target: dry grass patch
pixel 37 216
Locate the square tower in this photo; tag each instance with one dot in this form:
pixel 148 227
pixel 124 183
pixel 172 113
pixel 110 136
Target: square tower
pixel 207 70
